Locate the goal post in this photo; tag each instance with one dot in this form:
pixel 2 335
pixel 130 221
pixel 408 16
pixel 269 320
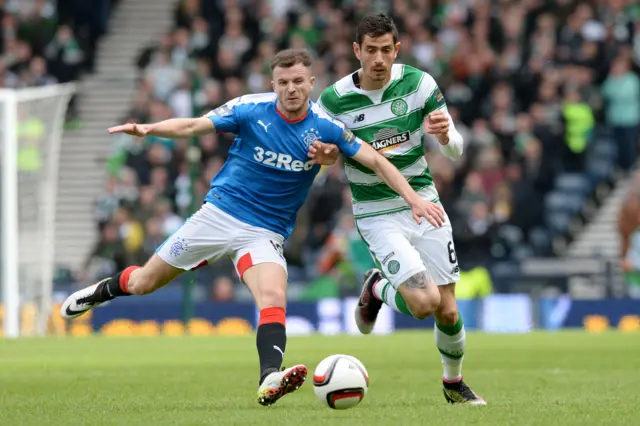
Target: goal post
pixel 9 218
pixel 32 123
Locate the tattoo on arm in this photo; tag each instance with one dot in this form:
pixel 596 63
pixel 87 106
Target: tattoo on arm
pixel 419 281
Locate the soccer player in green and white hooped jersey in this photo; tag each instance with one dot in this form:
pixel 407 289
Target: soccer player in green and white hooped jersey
pixel 389 105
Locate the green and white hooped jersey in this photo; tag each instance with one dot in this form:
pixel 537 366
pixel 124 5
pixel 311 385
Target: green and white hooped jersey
pixel 391 121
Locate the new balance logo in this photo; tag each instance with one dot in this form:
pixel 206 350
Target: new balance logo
pixel 265 126
pixel 279 350
pixel 358 118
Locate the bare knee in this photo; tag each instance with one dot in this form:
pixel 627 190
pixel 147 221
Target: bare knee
pixel 272 298
pixel 447 316
pixel 421 295
pixel 155 274
pixel 142 282
pixel 268 284
pixel 423 307
pixel 447 313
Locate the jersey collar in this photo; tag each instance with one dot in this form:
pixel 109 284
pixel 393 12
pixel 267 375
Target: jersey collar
pixel 291 121
pixel 354 80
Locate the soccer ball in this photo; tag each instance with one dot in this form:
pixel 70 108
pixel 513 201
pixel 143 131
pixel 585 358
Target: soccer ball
pixel 340 381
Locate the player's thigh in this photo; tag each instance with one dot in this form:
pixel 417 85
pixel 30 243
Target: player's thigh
pixel 437 251
pixel 205 236
pixel 389 245
pixel 260 263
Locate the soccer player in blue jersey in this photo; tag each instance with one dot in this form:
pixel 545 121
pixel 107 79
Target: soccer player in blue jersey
pixel 252 204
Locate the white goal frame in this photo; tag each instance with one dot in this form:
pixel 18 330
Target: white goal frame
pixel 9 203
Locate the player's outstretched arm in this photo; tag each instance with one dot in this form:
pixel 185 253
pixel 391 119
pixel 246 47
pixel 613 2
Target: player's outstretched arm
pixel 372 159
pixel 174 128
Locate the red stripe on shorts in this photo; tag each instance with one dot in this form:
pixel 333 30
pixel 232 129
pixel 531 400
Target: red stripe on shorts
pixel 200 265
pixel 245 262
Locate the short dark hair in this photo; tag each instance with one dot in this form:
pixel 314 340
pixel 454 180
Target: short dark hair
pixel 290 57
pixel 376 25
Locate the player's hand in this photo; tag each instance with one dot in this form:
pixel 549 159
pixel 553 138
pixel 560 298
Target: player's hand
pixel 139 130
pixel 437 124
pixel 428 210
pixel 626 265
pixel 324 154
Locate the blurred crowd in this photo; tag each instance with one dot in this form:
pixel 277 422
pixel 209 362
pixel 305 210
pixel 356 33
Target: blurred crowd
pixel 44 42
pixel 526 81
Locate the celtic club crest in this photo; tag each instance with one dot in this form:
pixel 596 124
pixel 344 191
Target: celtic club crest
pixel 310 136
pixel 399 107
pixel 393 267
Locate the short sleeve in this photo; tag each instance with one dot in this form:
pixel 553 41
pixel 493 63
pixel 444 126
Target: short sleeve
pixel 226 118
pixel 434 99
pixel 326 98
pixel 344 138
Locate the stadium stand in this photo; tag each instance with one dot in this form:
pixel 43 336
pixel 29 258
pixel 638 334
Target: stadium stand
pixel 45 42
pixel 535 88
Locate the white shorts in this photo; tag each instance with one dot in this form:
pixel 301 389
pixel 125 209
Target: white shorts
pixel 402 248
pixel 211 233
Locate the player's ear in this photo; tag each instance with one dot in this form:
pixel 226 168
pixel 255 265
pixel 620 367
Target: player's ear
pixel 312 80
pixel 397 49
pixel 356 50
pixel 273 85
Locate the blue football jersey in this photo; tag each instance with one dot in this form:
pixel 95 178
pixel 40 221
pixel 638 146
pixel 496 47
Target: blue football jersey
pixel 267 175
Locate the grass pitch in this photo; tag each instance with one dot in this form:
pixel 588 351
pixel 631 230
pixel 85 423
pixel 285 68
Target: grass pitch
pixel 565 378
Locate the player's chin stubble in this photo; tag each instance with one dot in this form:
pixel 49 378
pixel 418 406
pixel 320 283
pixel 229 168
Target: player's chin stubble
pixel 297 108
pixel 377 77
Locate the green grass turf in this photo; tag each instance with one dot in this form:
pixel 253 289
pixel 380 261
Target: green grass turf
pixel 565 378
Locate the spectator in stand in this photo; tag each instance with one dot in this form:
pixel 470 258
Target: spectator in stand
pixel 36 75
pixel 579 124
pixel 222 289
pixel 621 90
pixel 108 255
pixel 44 42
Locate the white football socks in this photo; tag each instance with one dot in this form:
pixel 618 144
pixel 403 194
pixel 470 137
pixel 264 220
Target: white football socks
pixel 450 340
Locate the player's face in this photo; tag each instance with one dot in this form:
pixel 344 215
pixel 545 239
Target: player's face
pixel 293 86
pixel 376 56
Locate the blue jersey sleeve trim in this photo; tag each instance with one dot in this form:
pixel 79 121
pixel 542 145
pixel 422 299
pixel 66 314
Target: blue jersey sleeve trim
pixel 228 117
pixel 225 118
pixel 348 143
pixel 344 138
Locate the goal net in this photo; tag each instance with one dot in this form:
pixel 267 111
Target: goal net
pixel 31 126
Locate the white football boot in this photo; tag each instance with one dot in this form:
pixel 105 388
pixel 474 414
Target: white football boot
pixel 81 301
pixel 279 383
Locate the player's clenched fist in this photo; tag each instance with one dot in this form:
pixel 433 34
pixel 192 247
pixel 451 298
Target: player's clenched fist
pixel 132 129
pixel 428 210
pixel 437 124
